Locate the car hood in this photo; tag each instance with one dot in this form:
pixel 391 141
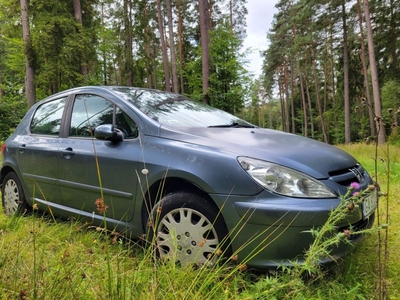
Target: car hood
pixel 303 154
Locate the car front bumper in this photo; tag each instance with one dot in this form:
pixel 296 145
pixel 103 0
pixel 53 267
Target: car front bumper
pixel 272 232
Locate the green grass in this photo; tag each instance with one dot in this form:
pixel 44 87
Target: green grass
pixel 42 258
pixel 386 169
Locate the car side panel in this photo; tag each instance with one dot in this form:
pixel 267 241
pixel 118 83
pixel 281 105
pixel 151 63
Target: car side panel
pixel 37 159
pixel 94 169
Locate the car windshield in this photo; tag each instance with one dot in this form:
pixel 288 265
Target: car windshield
pixel 176 110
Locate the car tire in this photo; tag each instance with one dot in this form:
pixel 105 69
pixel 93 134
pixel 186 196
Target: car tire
pixel 13 197
pixel 188 229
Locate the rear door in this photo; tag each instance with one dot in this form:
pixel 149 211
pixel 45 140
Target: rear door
pixel 38 151
pixel 92 169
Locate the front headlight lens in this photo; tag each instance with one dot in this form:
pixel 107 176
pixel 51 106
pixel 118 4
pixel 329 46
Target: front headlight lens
pixel 284 181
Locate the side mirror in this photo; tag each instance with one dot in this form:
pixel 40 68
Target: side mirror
pixel 109 133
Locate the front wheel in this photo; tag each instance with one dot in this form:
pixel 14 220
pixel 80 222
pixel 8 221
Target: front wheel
pixel 13 197
pixel 186 228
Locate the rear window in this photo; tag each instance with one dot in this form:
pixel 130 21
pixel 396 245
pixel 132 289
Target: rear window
pixel 47 118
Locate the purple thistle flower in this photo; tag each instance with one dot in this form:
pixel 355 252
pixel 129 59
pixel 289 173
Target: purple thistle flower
pixel 356 194
pixel 355 185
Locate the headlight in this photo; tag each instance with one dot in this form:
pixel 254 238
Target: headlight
pixel 284 181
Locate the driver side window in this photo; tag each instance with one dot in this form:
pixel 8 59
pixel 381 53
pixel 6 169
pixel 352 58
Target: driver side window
pixel 90 111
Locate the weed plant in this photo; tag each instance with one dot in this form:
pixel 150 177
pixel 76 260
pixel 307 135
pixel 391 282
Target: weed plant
pixel 45 258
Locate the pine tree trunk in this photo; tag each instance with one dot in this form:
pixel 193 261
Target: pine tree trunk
pixel 204 14
pixel 78 11
pixel 332 64
pixel 310 107
pixel 29 55
pixel 172 48
pixel 325 87
pixel 303 98
pixel 365 73
pixel 317 96
pixel 180 45
pixel 374 77
pixel 282 98
pixel 147 48
pixel 286 93
pixel 347 132
pixel 292 108
pixel 103 51
pixel 164 49
pixel 78 18
pixel 128 43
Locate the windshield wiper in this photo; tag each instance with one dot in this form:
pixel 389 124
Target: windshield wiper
pixel 233 125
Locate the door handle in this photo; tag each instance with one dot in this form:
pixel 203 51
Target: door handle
pixel 67 153
pixel 22 148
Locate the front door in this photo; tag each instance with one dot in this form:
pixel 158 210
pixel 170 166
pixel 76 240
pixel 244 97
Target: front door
pixel 93 169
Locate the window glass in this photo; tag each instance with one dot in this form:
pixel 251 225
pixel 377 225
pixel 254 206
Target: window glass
pixel 47 118
pixel 126 125
pixel 91 111
pixel 177 110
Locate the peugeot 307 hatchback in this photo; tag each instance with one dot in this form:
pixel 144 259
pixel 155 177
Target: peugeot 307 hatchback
pixel 195 179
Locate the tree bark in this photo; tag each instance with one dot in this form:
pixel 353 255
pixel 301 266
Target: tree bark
pixel 180 45
pixel 281 83
pixel 29 55
pixel 287 97
pixel 310 107
pixel 292 108
pixel 147 39
pixel 365 73
pixel 204 14
pixel 172 48
pixel 332 65
pixel 347 132
pixel 303 99
pixel 374 77
pixel 78 11
pixel 163 47
pixel 128 43
pixel 317 96
pixel 103 51
pixel 78 19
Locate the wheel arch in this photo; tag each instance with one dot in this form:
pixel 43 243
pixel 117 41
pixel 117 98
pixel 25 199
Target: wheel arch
pixel 4 171
pixel 8 168
pixel 168 185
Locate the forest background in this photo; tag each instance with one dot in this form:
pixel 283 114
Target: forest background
pixel 331 70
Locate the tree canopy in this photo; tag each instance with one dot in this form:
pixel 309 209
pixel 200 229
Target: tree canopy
pixel 322 60
pixel 318 76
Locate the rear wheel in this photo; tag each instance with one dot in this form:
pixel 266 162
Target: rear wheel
pixel 13 197
pixel 186 228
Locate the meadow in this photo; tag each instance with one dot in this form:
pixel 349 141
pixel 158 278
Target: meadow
pixel 42 257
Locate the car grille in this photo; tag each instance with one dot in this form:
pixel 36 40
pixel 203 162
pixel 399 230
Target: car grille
pixel 345 177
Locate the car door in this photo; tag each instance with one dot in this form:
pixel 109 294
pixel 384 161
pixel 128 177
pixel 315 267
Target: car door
pixel 38 151
pixel 92 169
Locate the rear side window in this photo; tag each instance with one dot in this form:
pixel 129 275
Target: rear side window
pixel 47 118
pixel 91 111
